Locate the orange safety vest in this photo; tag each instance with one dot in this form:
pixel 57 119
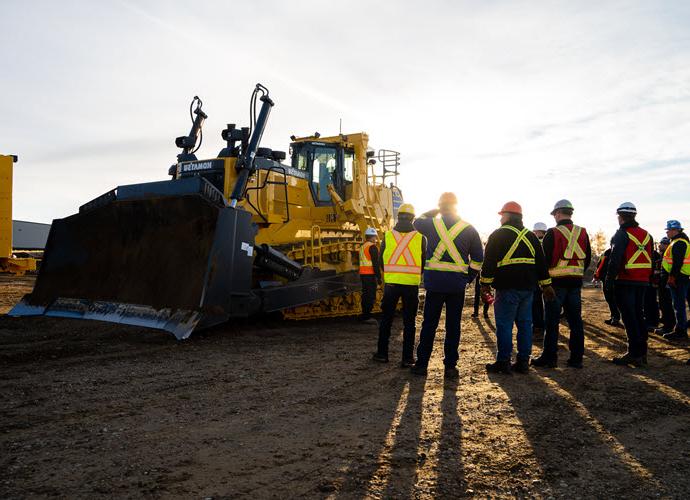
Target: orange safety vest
pixel 366 266
pixel 569 251
pixel 638 256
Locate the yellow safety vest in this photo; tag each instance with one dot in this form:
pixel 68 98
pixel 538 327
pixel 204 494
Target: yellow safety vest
pixel 667 262
pixel 573 251
pixel 447 244
pixel 508 259
pixel 402 258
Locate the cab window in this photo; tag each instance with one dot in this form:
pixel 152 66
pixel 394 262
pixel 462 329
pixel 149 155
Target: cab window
pixel 323 168
pixel 300 160
pixel 348 165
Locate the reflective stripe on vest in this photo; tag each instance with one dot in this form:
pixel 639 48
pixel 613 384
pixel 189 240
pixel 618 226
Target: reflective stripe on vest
pixel 402 258
pixel 573 251
pixel 641 252
pixel 447 244
pixel 508 259
pixel 667 263
pixel 366 266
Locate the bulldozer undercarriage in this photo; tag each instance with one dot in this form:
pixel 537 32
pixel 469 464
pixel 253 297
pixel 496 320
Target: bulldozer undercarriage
pixel 315 253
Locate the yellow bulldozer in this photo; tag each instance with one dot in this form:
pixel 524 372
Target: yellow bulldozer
pixel 233 236
pixel 11 261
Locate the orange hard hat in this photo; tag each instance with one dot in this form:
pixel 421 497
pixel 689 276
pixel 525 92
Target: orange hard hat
pixel 448 199
pixel 512 207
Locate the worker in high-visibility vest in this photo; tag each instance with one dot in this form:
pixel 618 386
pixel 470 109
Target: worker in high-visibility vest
pixel 630 268
pixel 676 265
pixel 402 259
pixel 454 257
pixel 369 272
pixel 568 253
pixel 514 266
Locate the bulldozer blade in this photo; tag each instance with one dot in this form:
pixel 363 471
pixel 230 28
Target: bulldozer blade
pixel 169 255
pixel 180 323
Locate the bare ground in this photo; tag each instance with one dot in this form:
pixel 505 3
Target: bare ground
pixel 278 409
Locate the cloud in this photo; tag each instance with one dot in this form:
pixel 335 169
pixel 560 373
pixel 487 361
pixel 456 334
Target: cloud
pixel 495 100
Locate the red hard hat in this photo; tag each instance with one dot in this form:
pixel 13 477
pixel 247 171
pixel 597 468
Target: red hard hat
pixel 512 207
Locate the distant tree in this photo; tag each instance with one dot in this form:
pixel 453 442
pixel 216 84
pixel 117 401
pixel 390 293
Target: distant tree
pixel 599 243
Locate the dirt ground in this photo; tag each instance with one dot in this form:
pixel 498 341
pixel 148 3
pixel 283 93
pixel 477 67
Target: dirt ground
pixel 93 410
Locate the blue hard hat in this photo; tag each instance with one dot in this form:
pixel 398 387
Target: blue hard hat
pixel 665 241
pixel 673 224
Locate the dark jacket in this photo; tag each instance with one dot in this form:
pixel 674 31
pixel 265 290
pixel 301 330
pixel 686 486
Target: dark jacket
pixel 403 227
pixel 469 245
pixel 548 245
pixel 619 243
pixel 514 276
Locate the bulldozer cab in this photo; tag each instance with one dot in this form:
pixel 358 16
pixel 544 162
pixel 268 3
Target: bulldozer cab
pixel 325 164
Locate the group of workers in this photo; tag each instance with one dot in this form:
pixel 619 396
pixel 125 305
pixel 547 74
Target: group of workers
pixel 536 277
pixel 667 290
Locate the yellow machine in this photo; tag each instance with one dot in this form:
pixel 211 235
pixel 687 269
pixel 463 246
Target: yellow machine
pixel 232 236
pixel 316 210
pixel 9 261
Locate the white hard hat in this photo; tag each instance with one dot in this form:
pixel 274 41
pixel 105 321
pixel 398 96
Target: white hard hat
pixel 540 226
pixel 627 208
pixel 370 232
pixel 562 204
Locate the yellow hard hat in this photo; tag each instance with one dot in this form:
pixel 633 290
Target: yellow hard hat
pixel 406 208
pixel 448 199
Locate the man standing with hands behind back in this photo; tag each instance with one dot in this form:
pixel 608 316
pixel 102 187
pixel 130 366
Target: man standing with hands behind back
pixel 568 253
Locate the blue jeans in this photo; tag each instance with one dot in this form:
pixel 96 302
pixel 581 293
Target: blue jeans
pixel 679 294
pixel 513 306
pixel 433 305
pixel 570 299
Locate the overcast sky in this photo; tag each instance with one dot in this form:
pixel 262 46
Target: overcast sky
pixel 526 101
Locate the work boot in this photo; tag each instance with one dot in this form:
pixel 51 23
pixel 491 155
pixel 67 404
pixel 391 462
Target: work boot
pixel 663 330
pixel 625 360
pixel 379 358
pixel 614 322
pixel 676 335
pixel 499 367
pixel 574 363
pixel 520 366
pixel 418 370
pixel 640 362
pixel 544 362
pixel 451 372
pixel 407 363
